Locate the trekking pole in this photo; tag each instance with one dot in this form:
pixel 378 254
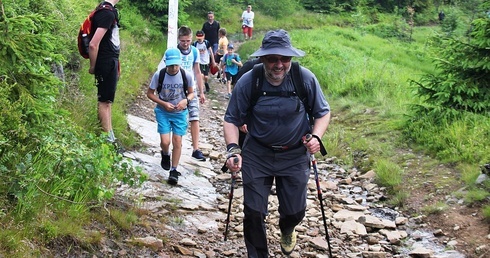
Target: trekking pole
pixel 319 191
pixel 230 197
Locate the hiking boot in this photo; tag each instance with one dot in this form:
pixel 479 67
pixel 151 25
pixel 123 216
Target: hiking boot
pixel 173 177
pixel 207 87
pixel 165 161
pixel 288 242
pixel 197 154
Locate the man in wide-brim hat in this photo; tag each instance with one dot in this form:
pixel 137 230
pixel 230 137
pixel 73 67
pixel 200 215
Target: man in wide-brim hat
pixel 274 149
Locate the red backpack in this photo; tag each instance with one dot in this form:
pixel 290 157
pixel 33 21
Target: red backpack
pixel 85 33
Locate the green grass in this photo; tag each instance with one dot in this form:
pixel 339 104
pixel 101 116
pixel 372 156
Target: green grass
pixel 366 81
pixel 438 207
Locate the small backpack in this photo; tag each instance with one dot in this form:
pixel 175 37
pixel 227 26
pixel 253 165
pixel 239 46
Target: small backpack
pixel 161 77
pixel 206 42
pixel 85 32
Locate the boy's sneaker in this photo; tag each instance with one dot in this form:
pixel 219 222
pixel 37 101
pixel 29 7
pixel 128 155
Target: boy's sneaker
pixel 173 177
pixel 197 154
pixel 288 242
pixel 165 161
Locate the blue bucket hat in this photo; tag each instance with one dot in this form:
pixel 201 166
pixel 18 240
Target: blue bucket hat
pixel 172 57
pixel 277 42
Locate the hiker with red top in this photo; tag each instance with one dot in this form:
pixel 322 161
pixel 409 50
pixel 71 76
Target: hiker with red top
pixel 104 48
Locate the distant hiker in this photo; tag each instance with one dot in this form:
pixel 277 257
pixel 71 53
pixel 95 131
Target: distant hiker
pixel 222 48
pixel 275 148
pixel 231 63
pixel 169 93
pixel 104 48
pixel 211 30
pixel 222 45
pixel 206 56
pixel 247 22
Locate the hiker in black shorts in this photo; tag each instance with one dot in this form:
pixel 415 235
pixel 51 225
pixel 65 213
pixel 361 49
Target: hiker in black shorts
pixel 104 48
pixel 274 148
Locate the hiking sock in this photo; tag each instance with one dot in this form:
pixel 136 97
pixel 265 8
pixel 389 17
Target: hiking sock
pixel 110 136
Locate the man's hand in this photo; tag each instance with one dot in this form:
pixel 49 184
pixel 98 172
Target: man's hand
pixel 311 143
pixel 234 163
pixel 243 128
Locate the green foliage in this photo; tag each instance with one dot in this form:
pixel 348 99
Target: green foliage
pixel 486 212
pixel 388 174
pixel 453 140
pixel 476 195
pixel 435 208
pixel 277 9
pixel 449 24
pixel 156 11
pixel 463 80
pixel 45 163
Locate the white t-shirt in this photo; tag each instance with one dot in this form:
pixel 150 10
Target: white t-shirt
pixel 248 18
pixel 203 52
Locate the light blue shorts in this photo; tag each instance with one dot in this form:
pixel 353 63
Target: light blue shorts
pixel 171 122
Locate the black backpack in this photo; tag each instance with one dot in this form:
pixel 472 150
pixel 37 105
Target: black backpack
pixel 299 87
pixel 206 42
pixel 161 77
pixel 257 92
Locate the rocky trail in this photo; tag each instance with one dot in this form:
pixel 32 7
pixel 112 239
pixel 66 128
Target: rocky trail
pixel 188 220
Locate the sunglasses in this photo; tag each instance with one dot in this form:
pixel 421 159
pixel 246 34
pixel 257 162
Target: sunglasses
pixel 274 59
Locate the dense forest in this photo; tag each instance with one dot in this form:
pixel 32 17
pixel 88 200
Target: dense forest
pixel 51 143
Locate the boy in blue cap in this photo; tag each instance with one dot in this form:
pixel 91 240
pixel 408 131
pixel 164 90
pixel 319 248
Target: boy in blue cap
pixel 171 110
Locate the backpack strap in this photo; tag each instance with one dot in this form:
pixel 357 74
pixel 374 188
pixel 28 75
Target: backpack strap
pixel 297 77
pixel 108 6
pixel 299 87
pixel 161 77
pixel 184 81
pixel 257 81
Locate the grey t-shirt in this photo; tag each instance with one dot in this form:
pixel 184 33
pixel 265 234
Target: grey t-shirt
pixel 276 120
pixel 172 87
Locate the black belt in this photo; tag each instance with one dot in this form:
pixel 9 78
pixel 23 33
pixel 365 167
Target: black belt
pixel 280 148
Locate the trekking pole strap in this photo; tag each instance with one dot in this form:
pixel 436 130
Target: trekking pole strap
pixel 309 136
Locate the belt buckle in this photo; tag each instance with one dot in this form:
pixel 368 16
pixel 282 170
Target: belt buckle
pixel 279 147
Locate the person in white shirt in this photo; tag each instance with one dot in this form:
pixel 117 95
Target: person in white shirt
pixel 247 22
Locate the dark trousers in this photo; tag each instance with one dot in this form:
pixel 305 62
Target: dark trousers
pixel 255 230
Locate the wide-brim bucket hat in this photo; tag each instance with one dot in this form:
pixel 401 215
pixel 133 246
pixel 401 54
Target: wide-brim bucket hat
pixel 277 42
